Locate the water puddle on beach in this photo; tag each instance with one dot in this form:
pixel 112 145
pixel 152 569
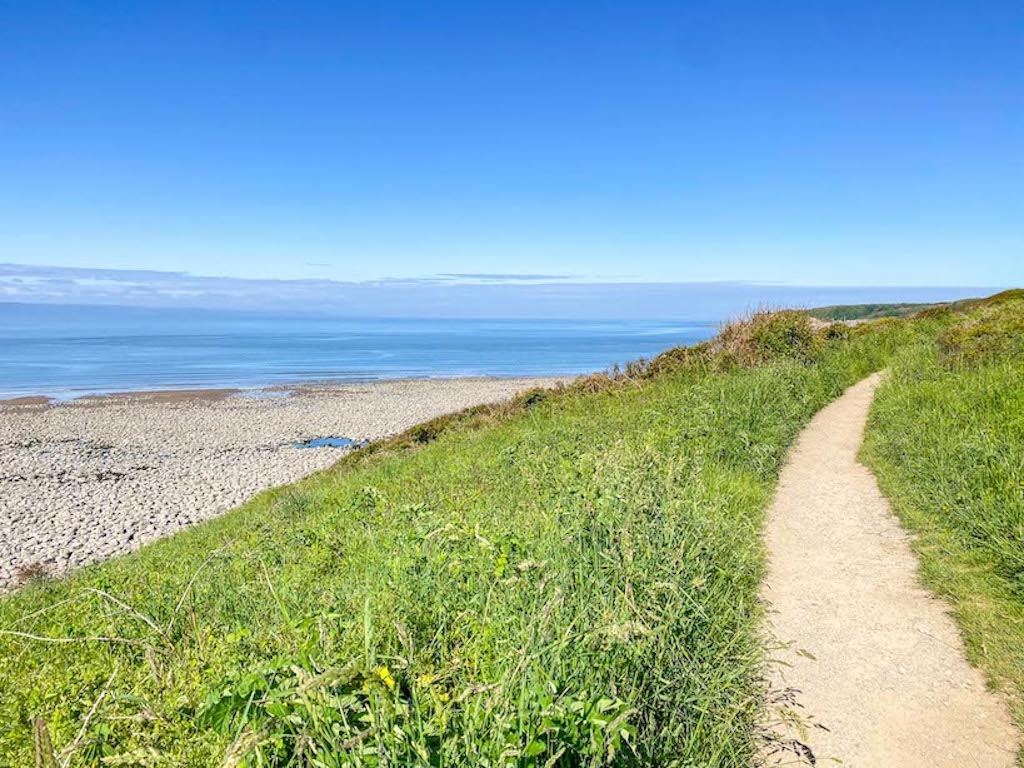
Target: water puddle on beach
pixel 329 442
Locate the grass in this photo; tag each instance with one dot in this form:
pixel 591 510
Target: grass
pixel 946 441
pixel 567 580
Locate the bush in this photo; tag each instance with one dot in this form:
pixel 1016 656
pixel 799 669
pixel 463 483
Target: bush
pixel 765 336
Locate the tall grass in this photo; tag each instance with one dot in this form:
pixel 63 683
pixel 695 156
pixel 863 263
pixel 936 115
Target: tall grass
pixel 570 580
pixel 946 440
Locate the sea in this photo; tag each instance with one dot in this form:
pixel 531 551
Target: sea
pixel 65 351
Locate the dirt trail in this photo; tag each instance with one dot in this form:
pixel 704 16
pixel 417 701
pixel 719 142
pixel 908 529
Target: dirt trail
pixel 872 656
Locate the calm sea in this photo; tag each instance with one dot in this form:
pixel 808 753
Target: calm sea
pixel 68 351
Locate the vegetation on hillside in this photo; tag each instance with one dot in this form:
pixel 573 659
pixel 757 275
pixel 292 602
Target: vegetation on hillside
pixel 946 440
pixel 567 580
pixel 845 312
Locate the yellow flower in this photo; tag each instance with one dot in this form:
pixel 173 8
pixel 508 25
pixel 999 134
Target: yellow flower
pixel 385 674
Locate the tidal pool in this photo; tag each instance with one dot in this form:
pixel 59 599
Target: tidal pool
pixel 329 442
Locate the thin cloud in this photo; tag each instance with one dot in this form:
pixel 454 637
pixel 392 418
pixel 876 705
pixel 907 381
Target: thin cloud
pixel 503 276
pixel 508 295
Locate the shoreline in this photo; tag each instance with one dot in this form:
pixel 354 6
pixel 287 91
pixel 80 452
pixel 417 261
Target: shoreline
pixel 265 391
pixel 86 479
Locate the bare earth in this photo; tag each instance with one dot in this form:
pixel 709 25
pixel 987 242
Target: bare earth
pixel 874 658
pixel 97 477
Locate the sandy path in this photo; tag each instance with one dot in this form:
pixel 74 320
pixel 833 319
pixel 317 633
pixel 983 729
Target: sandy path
pixel 888 677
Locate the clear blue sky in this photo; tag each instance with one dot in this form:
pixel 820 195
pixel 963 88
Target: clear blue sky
pixel 812 143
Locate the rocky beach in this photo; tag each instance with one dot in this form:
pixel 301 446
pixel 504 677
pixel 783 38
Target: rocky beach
pixel 91 478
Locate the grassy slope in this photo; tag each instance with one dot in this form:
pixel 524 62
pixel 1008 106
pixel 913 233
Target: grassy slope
pixel 946 440
pixel 573 583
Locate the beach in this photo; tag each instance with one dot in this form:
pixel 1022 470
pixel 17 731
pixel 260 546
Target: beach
pixel 84 480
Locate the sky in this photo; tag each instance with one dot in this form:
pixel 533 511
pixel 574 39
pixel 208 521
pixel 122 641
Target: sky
pixel 444 296
pixel 525 144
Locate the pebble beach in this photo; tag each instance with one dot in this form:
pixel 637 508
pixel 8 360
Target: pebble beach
pixel 91 478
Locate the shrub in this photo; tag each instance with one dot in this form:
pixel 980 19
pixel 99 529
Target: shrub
pixel 766 336
pixel 837 332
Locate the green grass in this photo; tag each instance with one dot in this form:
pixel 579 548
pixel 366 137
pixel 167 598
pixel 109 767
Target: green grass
pixel 569 580
pixel 946 441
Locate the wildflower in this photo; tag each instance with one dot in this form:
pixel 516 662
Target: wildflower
pixel 385 675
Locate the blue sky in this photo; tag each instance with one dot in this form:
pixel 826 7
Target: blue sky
pixel 813 143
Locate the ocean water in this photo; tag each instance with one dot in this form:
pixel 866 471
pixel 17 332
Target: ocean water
pixel 66 351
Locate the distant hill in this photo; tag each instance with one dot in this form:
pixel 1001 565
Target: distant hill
pixel 876 311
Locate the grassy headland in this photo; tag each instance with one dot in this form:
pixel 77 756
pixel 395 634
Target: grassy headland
pixel 845 312
pixel 946 440
pixel 569 579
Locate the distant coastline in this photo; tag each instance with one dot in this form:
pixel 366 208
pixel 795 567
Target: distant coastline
pixel 204 395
